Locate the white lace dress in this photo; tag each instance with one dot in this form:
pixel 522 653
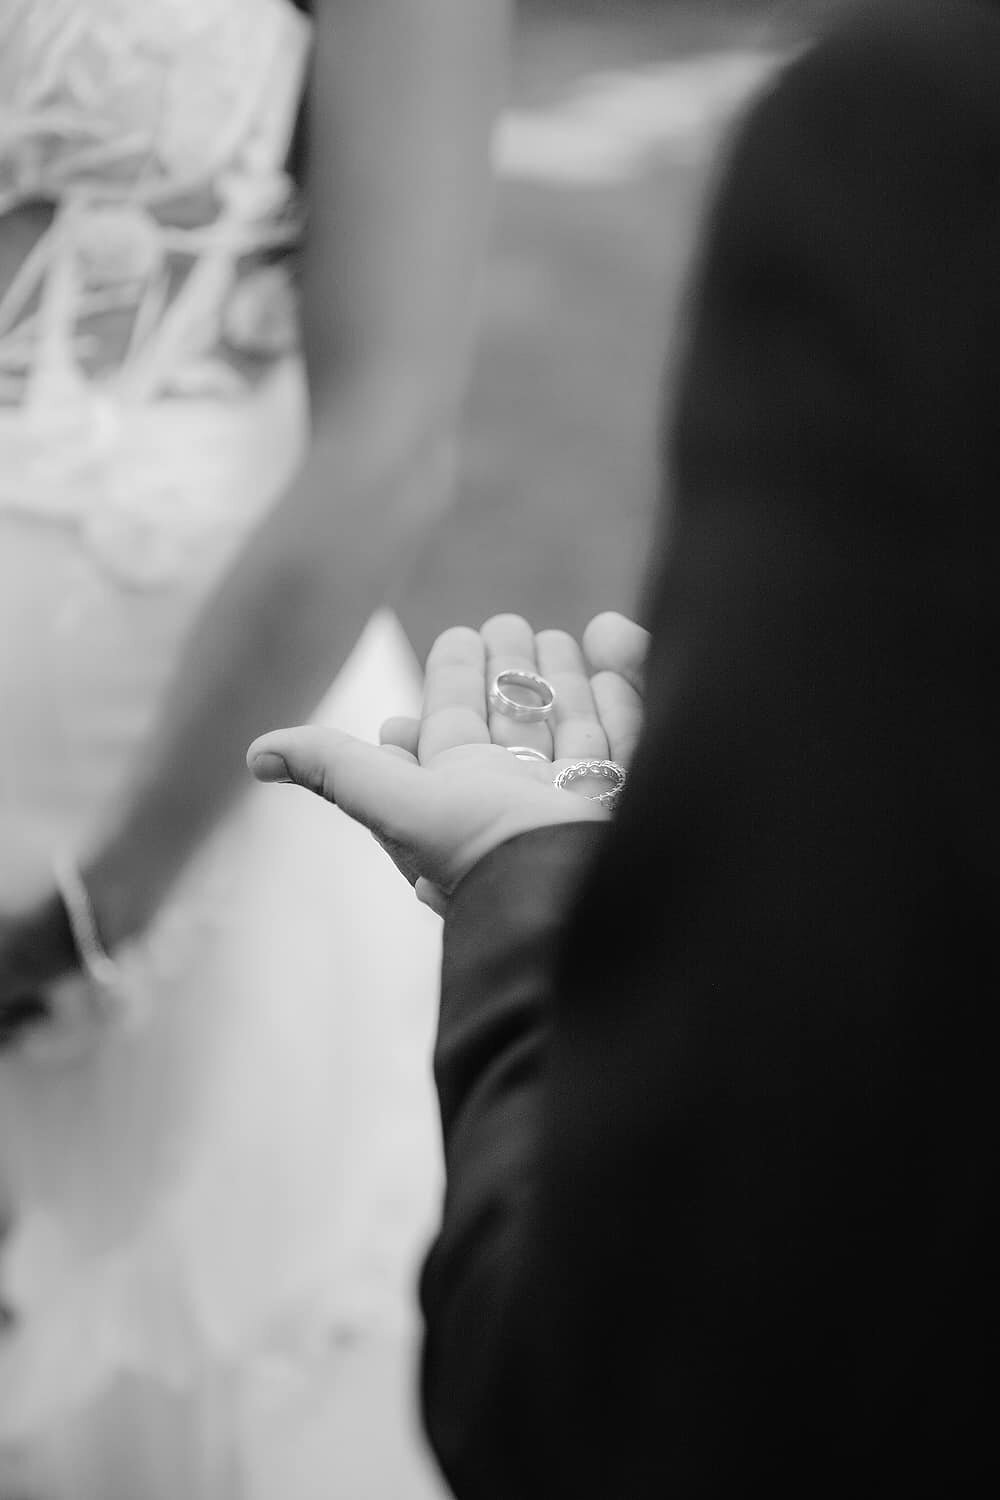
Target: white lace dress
pixel 218 1208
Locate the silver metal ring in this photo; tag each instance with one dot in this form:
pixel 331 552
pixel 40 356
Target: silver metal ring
pixel 605 770
pixel 528 752
pixel 525 713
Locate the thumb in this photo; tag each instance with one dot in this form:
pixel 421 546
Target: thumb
pixel 381 791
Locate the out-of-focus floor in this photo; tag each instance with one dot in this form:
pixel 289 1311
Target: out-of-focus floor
pixel 604 161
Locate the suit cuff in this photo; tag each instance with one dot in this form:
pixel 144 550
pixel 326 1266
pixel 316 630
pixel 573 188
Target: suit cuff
pixel 519 890
pixel 501 937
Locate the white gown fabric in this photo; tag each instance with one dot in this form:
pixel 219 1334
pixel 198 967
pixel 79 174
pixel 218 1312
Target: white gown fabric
pixel 218 1208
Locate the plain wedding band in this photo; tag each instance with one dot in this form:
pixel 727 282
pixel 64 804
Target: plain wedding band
pixel 524 713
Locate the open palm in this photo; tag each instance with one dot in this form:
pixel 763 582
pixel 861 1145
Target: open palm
pixel 443 791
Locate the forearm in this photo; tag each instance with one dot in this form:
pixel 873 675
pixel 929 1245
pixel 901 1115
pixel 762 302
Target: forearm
pixel 267 645
pixel 397 211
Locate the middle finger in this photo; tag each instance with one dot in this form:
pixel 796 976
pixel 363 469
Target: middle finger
pixel 509 642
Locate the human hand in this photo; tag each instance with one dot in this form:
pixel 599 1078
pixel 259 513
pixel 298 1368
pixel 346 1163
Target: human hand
pixel 440 795
pixel 599 702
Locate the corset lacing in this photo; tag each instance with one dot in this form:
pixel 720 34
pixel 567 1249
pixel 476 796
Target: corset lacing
pixel 158 133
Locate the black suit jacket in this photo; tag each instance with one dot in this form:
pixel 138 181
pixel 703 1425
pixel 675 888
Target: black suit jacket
pixel 716 1084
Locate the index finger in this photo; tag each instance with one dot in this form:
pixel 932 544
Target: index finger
pixel 509 642
pixel 454 705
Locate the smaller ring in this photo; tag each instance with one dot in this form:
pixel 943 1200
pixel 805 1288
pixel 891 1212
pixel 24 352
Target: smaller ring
pixel 525 713
pixel 528 752
pixel 607 770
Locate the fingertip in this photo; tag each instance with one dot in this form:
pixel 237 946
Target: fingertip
pixel 268 766
pixel 263 756
pixel 505 624
pixel 608 620
pixel 459 644
pixel 554 641
pixel 612 641
pixel 299 755
pixel 254 749
pixel 402 731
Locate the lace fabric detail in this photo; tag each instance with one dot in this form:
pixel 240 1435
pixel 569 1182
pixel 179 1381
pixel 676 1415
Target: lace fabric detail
pixel 158 132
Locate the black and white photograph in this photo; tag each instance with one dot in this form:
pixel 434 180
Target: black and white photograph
pixel 498 845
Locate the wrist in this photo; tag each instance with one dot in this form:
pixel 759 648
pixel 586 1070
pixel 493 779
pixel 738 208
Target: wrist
pixel 45 949
pixel 520 821
pixel 57 939
pixel 38 951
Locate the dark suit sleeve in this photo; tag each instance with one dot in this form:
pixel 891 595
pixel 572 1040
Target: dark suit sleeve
pixel 718 1163
pixel 501 937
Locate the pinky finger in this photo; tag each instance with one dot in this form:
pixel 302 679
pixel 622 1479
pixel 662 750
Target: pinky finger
pixel 619 708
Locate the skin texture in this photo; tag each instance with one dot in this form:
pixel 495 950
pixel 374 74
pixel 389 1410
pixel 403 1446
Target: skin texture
pixel 443 793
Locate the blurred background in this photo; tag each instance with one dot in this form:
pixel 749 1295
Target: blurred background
pixel 618 108
pixel 605 155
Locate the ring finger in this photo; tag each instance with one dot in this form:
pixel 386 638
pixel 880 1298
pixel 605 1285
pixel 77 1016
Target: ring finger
pixel 577 733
